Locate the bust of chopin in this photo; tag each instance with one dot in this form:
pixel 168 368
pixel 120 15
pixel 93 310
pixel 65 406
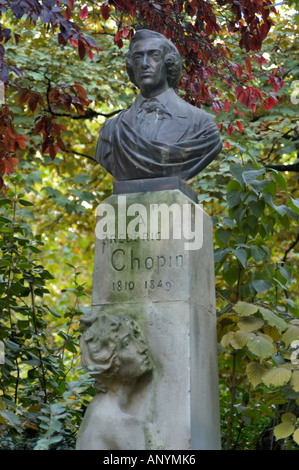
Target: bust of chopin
pixel 160 134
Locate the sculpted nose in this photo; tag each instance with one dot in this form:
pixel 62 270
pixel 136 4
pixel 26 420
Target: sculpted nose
pixel 144 63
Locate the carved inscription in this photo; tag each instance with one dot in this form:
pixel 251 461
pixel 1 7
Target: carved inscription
pixel 140 270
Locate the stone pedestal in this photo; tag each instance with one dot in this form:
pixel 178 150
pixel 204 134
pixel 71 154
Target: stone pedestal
pixel 166 284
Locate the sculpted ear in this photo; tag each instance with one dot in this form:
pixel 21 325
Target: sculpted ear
pixel 174 67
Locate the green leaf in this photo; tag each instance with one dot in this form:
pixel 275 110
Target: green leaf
pixel 250 323
pixel 290 335
pixel 288 418
pixel 261 346
pixel 244 308
pixel 234 197
pixel 294 382
pixel 277 376
pixel 220 254
pixel 237 171
pixel 283 430
pixel 11 417
pixel 241 254
pixel 282 209
pixel 12 345
pixel 226 339
pixel 296 436
pixel 250 177
pixel 261 285
pixel 24 202
pixel 53 312
pixel 257 207
pixel 223 235
pixel 280 179
pixel 240 338
pixel 257 253
pixel 272 319
pixel 286 272
pixel 255 370
pixel 230 275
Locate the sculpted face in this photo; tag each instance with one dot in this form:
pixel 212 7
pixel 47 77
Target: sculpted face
pixel 149 67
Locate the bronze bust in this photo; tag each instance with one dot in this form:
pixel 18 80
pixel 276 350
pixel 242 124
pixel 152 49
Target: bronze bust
pixel 160 134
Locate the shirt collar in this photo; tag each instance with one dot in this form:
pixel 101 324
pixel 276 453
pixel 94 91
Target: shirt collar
pixel 162 98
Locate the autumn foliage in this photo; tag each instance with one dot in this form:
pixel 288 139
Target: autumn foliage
pixel 193 25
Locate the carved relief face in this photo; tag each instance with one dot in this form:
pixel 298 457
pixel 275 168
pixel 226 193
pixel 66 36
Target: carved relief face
pixel 114 348
pixel 133 358
pixel 149 67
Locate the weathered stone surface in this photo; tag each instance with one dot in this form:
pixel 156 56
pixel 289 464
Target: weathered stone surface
pixel 169 291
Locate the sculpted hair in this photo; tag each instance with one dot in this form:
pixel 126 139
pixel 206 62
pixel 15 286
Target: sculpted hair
pixel 102 341
pixel 172 57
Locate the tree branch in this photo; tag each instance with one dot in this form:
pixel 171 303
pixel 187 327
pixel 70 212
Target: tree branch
pixel 82 155
pixel 292 245
pixel 89 114
pixel 293 167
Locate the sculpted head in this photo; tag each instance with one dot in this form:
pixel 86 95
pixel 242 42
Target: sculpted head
pixel 112 348
pixel 153 62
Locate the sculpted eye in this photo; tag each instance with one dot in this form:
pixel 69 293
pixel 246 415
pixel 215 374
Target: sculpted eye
pixel 156 54
pixel 137 57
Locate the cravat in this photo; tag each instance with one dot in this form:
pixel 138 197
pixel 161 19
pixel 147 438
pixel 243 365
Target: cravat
pixel 154 106
pixel 149 114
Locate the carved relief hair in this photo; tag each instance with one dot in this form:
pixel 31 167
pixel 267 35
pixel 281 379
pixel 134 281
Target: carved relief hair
pixel 172 57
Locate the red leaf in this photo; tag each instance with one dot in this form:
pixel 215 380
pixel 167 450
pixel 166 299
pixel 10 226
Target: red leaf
pixel 230 129
pixel 261 60
pixel 83 13
pixel 240 127
pixel 264 29
pixel 105 10
pixel 10 164
pixel 238 91
pixel 32 103
pixel 39 126
pixel 248 65
pixel 238 112
pixel 118 36
pixel 67 13
pixel 227 145
pixel 226 106
pixel 22 139
pixel 90 54
pixel 239 71
pixel 216 107
pixel 61 40
pixel 270 102
pixel 53 149
pixel 81 90
pixel 2 168
pixel 125 32
pixel 195 88
pixel 81 49
pixel 245 98
pixel 229 81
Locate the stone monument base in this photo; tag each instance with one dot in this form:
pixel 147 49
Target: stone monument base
pixel 164 283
